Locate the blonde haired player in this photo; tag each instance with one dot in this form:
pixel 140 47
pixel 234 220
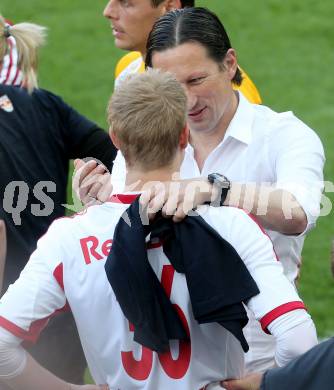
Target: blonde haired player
pixel 67 270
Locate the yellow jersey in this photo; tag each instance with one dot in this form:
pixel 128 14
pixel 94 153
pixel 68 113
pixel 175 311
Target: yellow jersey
pixel 133 63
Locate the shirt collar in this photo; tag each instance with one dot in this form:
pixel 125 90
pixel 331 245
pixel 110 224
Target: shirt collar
pixel 125 198
pixel 241 124
pixel 240 127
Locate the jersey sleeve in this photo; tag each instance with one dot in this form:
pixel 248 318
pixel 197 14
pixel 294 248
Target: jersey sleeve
pixel 277 295
pixel 299 165
pixel 129 64
pixel 29 303
pixel 125 61
pixel 248 89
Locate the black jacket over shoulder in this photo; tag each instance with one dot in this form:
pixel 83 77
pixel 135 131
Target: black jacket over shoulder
pixel 39 134
pixel 218 280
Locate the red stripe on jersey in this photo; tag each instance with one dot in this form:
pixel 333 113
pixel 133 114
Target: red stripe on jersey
pixel 153 245
pixel 278 311
pixel 35 329
pixel 123 198
pixel 253 217
pixel 59 276
pixel 30 335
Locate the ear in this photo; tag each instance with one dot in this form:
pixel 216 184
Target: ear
pixel 184 137
pixel 230 63
pixel 172 4
pixel 114 138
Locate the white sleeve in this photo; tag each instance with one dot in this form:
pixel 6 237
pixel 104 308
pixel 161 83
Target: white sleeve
pixel 295 334
pixel 29 303
pixel 299 165
pixel 118 174
pixel 277 295
pixel 13 357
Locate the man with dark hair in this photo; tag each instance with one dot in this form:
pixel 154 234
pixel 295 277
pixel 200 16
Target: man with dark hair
pixel 132 21
pixel 274 161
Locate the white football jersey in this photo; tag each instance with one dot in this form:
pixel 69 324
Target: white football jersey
pixel 67 271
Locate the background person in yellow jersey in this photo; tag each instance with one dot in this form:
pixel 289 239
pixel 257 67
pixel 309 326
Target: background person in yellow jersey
pixel 132 21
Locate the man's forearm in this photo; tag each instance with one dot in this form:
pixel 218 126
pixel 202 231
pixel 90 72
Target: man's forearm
pixel 275 209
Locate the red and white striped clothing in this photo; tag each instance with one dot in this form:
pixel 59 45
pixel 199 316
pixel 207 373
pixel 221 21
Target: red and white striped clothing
pixel 10 73
pixel 67 270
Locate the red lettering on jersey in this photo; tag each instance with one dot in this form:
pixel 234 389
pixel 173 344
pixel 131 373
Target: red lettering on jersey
pixel 138 369
pixel 106 247
pixel 174 368
pixel 167 277
pixel 87 252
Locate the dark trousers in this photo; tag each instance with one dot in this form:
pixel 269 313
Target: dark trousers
pixel 59 350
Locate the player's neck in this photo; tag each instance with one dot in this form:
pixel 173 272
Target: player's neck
pixel 138 180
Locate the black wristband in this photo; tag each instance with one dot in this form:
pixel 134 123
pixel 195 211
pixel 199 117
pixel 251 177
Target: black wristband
pixel 222 183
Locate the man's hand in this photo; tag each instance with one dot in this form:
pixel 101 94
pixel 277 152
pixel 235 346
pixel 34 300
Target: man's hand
pixel 249 382
pixel 91 182
pixel 176 198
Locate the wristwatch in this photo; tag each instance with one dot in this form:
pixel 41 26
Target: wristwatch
pixel 223 185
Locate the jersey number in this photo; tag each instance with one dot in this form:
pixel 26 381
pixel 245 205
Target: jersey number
pixel 174 368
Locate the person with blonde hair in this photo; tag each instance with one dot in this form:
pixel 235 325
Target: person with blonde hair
pixel 19 51
pixel 40 133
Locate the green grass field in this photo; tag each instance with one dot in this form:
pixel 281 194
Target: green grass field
pixel 285 46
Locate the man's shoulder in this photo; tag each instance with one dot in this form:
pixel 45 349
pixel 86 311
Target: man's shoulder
pixel 225 218
pixel 126 61
pixel 129 64
pixel 96 212
pixel 236 225
pixel 274 125
pixel 15 93
pixel 96 224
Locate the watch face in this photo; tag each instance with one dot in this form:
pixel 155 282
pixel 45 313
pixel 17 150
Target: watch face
pixel 219 179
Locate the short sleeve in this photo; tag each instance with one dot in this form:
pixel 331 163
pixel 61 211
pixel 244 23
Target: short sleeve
pixel 277 295
pixel 36 295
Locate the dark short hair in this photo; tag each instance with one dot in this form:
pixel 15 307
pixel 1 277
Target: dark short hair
pixel 184 3
pixel 190 25
pixel 187 3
